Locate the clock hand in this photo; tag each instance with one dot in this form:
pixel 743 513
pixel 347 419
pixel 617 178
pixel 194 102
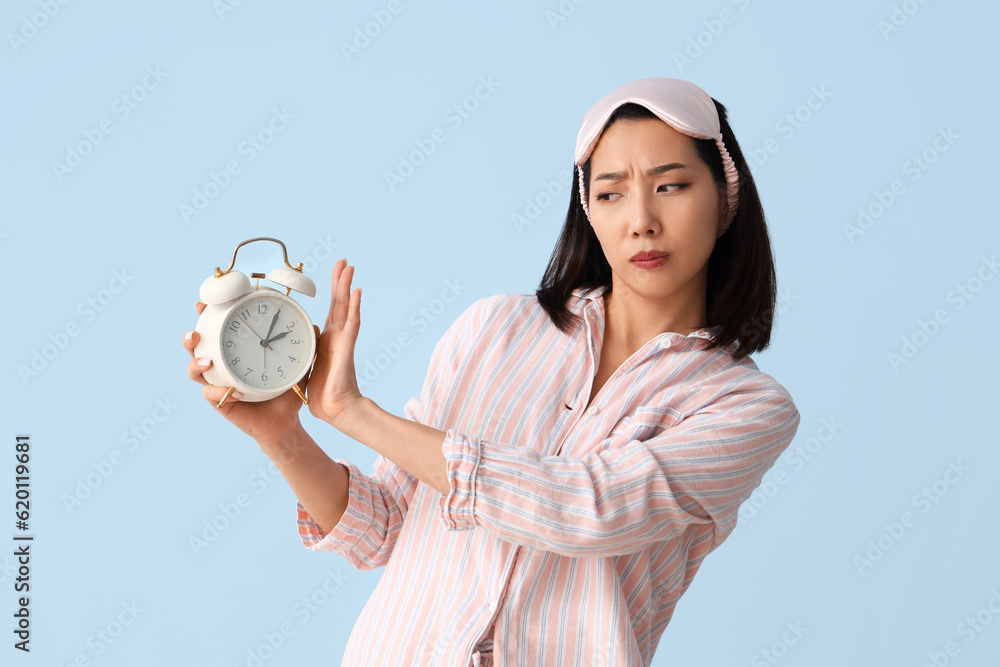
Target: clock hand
pixel 274 320
pixel 279 337
pixel 251 329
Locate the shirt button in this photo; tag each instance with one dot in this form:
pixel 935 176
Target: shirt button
pixel 593 410
pixel 665 342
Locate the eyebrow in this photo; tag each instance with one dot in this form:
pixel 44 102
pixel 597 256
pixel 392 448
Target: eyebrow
pixel 655 171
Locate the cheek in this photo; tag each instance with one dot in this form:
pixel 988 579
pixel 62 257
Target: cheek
pixel 601 241
pixel 605 232
pixel 702 213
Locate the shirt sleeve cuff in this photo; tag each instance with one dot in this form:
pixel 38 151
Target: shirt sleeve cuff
pixel 462 456
pixel 355 522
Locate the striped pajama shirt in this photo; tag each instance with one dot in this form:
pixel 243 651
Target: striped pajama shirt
pixel 569 532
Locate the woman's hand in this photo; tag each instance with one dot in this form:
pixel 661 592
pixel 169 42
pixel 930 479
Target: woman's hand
pixel 333 383
pixel 270 422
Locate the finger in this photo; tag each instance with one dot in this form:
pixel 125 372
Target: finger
pixel 214 394
pixel 191 339
pixel 353 324
pixel 334 281
pixel 343 298
pixel 196 367
pixel 316 349
pixel 199 306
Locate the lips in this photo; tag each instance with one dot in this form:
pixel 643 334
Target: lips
pixel 646 255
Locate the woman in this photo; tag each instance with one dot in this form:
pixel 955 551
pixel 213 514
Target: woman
pixel 582 449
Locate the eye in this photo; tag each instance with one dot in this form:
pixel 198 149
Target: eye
pixel 666 187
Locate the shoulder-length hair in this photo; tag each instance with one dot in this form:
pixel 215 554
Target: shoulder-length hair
pixel 741 287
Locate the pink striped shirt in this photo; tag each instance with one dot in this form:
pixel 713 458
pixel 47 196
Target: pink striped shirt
pixel 569 533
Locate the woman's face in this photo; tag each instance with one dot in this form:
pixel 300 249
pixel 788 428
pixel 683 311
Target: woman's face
pixel 650 190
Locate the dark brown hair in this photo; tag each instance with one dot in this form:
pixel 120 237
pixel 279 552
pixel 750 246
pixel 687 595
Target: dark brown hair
pixel 741 288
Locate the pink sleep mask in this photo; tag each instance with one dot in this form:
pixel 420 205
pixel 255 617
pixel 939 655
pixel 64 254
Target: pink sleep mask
pixel 680 104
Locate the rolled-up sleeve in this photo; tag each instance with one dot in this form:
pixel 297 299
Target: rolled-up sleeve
pixel 618 500
pixel 376 507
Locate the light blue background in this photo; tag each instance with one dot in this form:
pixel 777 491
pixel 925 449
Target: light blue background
pixel 320 183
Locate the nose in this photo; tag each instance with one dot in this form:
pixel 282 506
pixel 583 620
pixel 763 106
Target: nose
pixel 643 215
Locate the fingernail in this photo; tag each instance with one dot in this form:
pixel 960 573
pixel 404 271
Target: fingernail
pixel 204 361
pixel 237 395
pixel 189 335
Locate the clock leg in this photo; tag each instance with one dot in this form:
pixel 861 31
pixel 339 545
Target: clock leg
pixel 298 391
pixel 226 397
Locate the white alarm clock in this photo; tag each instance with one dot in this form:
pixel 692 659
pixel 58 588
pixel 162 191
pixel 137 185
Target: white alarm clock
pixel 261 342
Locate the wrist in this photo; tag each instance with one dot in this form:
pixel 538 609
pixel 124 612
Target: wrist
pixel 352 421
pixel 286 447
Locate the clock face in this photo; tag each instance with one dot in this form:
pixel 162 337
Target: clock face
pixel 267 343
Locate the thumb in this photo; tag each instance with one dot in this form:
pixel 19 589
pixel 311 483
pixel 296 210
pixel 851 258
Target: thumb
pixel 316 350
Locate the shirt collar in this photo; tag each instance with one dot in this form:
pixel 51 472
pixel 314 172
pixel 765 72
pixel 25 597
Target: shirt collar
pixel 596 294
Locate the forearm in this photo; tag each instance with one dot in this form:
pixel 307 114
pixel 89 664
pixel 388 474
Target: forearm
pixel 414 447
pixel 318 482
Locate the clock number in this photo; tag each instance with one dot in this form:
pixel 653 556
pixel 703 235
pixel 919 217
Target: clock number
pixel 230 343
pixel 245 313
pixel 249 371
pixel 263 376
pixel 235 361
pixel 289 326
pixel 262 309
pixel 296 341
pixel 235 326
pixel 292 359
pixel 281 373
